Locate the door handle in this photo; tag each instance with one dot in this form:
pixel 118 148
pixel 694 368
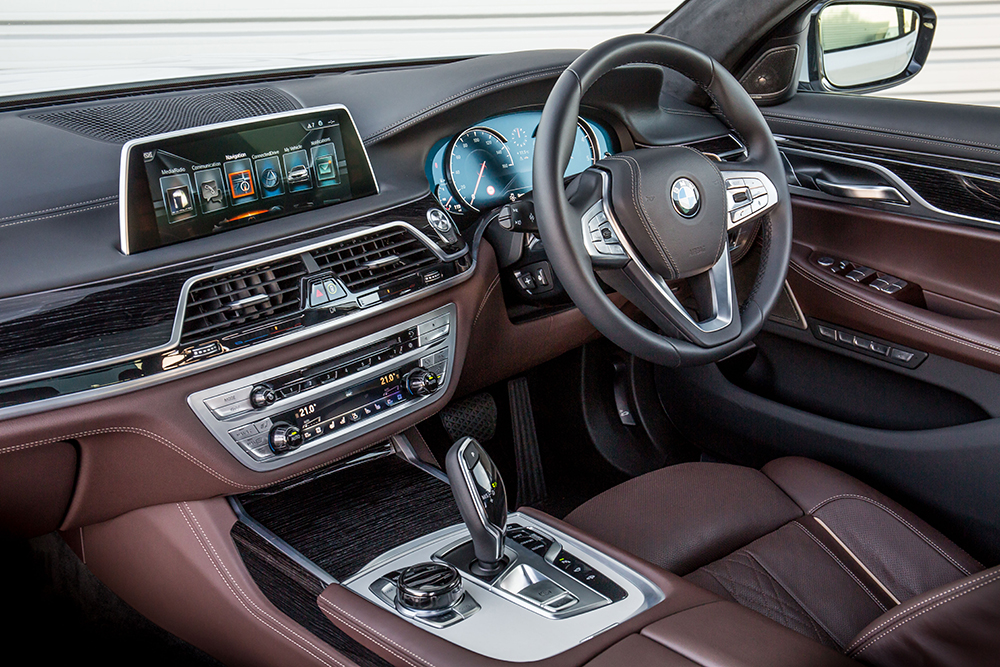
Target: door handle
pixel 858 191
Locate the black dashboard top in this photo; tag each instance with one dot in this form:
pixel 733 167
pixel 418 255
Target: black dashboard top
pixel 59 218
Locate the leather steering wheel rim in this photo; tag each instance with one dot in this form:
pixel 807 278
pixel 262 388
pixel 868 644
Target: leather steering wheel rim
pixel 559 221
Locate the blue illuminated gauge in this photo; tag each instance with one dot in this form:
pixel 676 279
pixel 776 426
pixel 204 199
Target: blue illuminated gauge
pixel 481 169
pixel 449 202
pixel 585 152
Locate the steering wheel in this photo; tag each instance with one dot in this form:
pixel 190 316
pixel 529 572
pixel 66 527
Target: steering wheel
pixel 645 219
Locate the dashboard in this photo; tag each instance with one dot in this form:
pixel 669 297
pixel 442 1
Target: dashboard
pixel 490 162
pixel 146 361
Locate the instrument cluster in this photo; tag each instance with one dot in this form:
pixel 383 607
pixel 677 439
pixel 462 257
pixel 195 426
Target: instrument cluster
pixel 490 163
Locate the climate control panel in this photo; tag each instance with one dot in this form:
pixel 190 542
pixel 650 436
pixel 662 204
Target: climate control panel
pixel 283 415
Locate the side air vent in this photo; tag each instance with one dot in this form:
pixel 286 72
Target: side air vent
pixel 726 148
pixel 375 259
pixel 235 300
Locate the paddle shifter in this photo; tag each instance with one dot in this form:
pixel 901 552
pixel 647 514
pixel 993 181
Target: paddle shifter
pixel 482 502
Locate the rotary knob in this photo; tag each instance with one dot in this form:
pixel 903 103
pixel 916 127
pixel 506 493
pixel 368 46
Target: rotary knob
pixel 421 382
pixel 428 588
pixel 285 438
pixel 262 396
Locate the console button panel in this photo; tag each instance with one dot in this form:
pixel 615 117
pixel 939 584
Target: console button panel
pixel 331 397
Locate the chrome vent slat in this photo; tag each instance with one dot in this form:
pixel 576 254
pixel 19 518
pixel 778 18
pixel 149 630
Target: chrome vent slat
pixel 348 259
pixel 268 291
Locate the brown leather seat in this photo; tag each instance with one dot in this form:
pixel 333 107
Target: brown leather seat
pixel 813 549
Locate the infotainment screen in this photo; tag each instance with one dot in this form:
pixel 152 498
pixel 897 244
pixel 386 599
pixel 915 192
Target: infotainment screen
pixel 193 183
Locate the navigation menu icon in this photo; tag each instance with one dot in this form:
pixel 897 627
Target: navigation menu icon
pixel 325 161
pixel 178 199
pixel 269 176
pixel 211 190
pixel 240 179
pixel 297 168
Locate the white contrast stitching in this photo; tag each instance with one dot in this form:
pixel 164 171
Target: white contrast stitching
pixel 482 304
pixel 879 310
pixel 644 216
pixel 889 631
pixel 243 598
pixel 31 214
pixel 356 623
pixel 902 612
pixel 842 566
pixel 898 518
pixel 59 215
pixel 171 445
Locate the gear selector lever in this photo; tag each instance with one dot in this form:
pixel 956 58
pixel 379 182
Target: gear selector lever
pixel 482 502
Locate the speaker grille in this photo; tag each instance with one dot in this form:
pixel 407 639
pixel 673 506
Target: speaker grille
pixel 121 122
pixel 772 74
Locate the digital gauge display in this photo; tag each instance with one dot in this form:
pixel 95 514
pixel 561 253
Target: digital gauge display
pixel 491 163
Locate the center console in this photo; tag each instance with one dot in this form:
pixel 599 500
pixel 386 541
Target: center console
pixel 270 419
pixel 374 557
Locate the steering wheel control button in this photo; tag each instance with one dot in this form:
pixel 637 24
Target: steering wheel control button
pixel 746 197
pixel 686 197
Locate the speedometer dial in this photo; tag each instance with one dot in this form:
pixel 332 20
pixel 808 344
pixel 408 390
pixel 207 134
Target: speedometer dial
pixel 481 169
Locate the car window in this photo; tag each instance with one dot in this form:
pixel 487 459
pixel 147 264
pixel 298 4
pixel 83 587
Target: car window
pixel 62 44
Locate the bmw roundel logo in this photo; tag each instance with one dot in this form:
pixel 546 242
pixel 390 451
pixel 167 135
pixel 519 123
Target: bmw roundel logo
pixel 686 198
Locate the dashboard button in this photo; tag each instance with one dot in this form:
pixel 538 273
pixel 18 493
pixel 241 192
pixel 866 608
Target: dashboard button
pixel 317 295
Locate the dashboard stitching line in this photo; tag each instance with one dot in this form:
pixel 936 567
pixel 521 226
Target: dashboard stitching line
pixel 482 304
pixel 356 622
pixel 989 149
pixel 879 310
pixel 874 640
pixel 902 612
pixel 841 564
pixel 30 214
pixel 59 215
pixel 457 98
pixel 898 518
pixel 164 441
pixel 230 582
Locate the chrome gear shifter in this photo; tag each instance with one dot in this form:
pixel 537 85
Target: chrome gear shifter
pixel 482 502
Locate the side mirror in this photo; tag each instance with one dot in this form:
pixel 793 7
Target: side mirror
pixel 865 46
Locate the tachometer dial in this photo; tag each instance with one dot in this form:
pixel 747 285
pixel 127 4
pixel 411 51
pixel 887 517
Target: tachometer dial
pixel 481 169
pixel 448 201
pixel 584 150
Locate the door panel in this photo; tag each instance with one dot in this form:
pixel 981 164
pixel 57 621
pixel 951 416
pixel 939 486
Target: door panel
pixel 920 279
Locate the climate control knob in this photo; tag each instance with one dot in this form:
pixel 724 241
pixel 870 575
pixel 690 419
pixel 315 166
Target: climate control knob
pixel 421 382
pixel 285 438
pixel 262 396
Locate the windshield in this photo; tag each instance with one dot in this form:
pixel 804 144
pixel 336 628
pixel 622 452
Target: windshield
pixel 50 45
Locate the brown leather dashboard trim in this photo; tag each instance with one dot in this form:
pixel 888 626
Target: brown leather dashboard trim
pixel 148 448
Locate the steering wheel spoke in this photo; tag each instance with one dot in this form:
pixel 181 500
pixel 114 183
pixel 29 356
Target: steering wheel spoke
pixel 717 318
pixel 749 195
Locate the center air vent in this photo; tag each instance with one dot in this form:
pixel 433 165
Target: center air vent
pixel 375 259
pixel 234 300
